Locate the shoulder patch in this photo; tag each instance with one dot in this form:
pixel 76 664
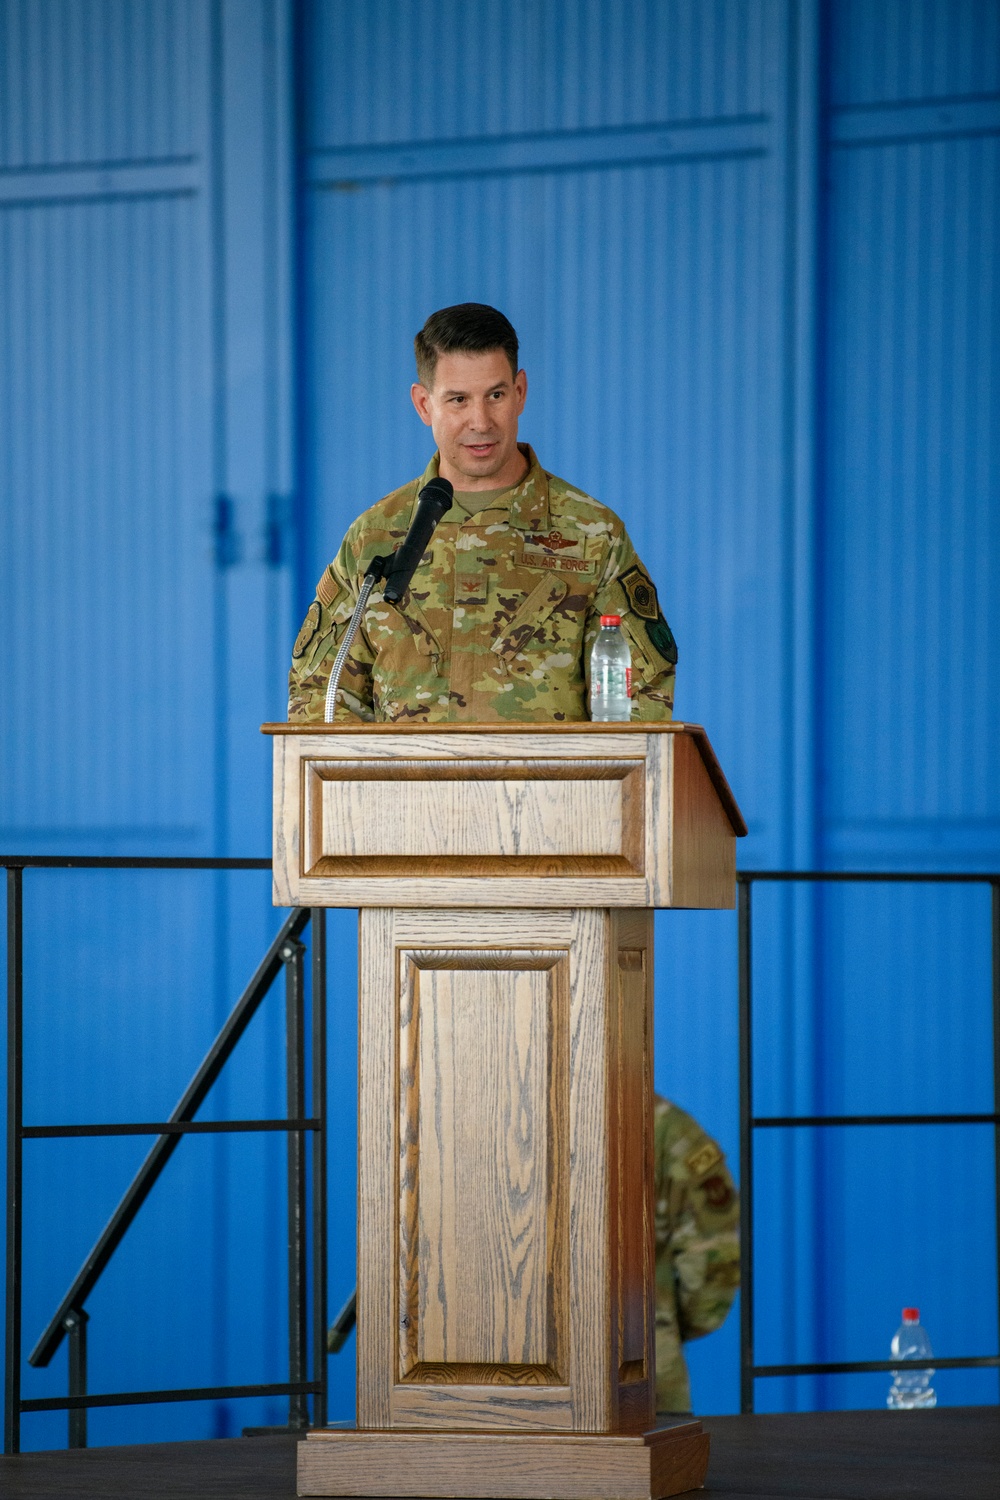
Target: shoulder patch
pixel 641 593
pixel 703 1159
pixel 662 639
pixel 310 625
pixel 327 589
pixel 718 1193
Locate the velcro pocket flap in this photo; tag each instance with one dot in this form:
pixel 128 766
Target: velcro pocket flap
pixel 539 604
pixel 389 624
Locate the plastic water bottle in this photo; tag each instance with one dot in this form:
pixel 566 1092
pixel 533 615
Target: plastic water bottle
pixel 610 674
pixel 910 1341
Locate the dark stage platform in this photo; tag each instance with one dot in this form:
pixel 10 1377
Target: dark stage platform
pixel 949 1454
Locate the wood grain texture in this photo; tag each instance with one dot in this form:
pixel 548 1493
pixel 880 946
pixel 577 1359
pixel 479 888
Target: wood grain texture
pixel 652 1466
pixel 515 1242
pixel 703 843
pixel 476 1254
pixel 632 1166
pixel 582 818
pixel 473 817
pixel 481 809
pixel 377 1152
pixel 348 733
pixel 505 1255
pixel 285 856
pixel 432 1407
pixel 483 1180
pixel 592 1376
pixel 470 890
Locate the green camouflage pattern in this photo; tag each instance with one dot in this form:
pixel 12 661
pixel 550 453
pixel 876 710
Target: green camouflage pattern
pixel 499 619
pixel 697 1245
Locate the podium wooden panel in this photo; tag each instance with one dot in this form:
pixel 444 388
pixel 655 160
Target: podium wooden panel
pixel 506 877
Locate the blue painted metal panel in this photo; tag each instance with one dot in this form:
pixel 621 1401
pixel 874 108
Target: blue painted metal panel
pixel 89 81
pixel 909 682
pixel 145 368
pixel 109 588
pixel 890 51
pixel 913 529
pixel 386 71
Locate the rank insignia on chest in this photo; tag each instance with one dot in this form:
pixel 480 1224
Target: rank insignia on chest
pixel 641 593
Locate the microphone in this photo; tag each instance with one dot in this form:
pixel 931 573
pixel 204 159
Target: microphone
pixel 434 499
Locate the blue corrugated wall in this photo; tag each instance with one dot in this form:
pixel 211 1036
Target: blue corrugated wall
pixel 750 246
pixel 147 468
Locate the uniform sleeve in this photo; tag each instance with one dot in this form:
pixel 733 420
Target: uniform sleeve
pixel 697 1225
pixel 316 647
pixel 626 589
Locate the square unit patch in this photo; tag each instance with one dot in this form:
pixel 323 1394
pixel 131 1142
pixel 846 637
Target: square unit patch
pixel 641 592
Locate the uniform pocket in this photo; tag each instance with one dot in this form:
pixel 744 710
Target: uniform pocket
pixel 397 632
pixel 515 634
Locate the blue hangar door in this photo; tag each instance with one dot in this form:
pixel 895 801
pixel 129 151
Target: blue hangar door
pixel 145 476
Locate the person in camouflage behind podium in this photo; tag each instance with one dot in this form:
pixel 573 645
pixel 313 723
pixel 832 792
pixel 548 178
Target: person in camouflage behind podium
pixel 501 614
pixel 697 1245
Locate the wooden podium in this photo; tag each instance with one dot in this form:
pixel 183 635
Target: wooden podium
pixel 505 876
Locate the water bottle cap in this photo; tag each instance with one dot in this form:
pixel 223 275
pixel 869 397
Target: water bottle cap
pixel 611 619
pixel 911 1315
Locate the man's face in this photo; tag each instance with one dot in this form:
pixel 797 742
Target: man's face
pixel 472 411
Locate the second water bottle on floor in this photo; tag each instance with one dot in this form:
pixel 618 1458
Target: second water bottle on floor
pixel 911 1388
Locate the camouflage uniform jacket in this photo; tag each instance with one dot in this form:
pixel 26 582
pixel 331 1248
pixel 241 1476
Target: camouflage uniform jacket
pixel 697 1245
pixel 498 621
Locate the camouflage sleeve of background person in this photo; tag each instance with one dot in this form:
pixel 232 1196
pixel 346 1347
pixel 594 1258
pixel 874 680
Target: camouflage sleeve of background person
pixel 319 640
pixel 697 1245
pixel 626 589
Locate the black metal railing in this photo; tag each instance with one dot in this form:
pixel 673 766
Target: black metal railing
pixel 750 1123
pixel 286 953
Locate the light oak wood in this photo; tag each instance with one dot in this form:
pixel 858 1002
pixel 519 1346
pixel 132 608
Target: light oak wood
pixel 538 817
pixel 631 1056
pixel 483 1181
pixel 515 1231
pixel 563 815
pixel 703 846
pixel 668 1460
pixel 506 877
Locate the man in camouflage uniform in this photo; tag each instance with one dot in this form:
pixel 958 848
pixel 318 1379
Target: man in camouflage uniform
pixel 502 612
pixel 697 1245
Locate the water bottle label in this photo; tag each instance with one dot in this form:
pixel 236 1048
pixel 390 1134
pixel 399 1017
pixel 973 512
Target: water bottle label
pixel 611 684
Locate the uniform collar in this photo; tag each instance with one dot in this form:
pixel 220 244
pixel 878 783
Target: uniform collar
pixel 529 502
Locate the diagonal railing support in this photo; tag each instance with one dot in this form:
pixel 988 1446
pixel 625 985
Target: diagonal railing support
pixel 148 1174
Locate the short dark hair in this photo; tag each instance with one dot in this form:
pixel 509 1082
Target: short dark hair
pixel 466 328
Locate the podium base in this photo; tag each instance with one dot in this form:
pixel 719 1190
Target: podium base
pixel 668 1460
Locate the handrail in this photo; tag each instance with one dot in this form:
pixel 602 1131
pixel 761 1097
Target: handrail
pixel 129 862
pixel 184 1111
pixel 749 1122
pixel 70 1320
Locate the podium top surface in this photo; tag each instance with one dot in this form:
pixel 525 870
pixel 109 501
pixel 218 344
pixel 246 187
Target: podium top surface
pixel 695 732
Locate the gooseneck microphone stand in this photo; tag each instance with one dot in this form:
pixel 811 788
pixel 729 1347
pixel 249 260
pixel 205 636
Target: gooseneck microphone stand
pixel 398 568
pixel 375 571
